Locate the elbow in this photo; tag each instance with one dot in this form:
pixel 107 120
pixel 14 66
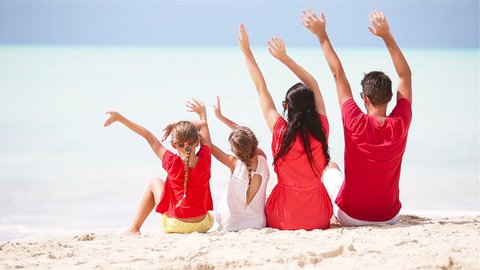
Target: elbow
pixel 149 137
pixel 407 74
pixel 337 75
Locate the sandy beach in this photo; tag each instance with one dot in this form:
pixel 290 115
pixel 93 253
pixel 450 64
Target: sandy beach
pixel 415 242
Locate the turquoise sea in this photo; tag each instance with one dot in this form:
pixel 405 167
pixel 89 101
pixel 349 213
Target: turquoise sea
pixel 62 171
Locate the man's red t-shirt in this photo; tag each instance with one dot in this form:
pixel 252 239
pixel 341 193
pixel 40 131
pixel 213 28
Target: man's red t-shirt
pixel 373 158
pixel 199 198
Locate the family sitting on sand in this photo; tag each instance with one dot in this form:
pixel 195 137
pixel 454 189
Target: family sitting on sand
pixel 310 186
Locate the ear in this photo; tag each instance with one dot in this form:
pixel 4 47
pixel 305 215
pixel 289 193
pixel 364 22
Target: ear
pixel 366 100
pixel 173 145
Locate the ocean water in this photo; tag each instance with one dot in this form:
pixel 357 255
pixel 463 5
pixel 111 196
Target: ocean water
pixel 62 171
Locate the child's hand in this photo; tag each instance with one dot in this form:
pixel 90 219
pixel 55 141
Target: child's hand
pixel 217 109
pixel 243 39
pixel 276 47
pixel 379 23
pixel 198 107
pixel 313 23
pixel 114 117
pixel 166 131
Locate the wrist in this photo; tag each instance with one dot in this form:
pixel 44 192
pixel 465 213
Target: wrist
pixel 321 35
pixel 247 51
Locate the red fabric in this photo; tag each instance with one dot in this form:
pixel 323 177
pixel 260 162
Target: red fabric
pixel 199 198
pixel 373 157
pixel 299 200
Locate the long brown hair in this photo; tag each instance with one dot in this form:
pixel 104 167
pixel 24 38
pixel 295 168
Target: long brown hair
pixel 303 120
pixel 244 142
pixel 184 134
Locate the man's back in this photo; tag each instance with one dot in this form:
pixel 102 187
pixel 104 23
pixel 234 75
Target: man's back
pixel 373 157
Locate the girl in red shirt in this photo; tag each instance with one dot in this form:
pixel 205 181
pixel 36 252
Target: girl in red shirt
pixel 299 145
pixel 184 198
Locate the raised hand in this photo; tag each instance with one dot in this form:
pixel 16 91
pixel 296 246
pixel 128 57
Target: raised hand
pixel 310 20
pixel 276 47
pixel 243 39
pixel 379 23
pixel 197 107
pixel 114 117
pixel 217 109
pixel 166 131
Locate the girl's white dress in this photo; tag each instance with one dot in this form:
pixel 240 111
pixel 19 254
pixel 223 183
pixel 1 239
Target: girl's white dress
pixel 233 213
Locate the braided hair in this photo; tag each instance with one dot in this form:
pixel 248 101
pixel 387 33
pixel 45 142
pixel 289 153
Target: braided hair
pixel 244 142
pixel 184 134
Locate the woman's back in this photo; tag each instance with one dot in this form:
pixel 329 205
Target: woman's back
pixel 299 200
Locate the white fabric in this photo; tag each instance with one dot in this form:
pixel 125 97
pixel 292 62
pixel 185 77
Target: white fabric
pixel 332 179
pixel 233 213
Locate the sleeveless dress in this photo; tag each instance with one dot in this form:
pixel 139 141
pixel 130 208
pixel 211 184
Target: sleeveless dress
pixel 233 213
pixel 299 200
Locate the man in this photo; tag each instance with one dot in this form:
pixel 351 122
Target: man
pixel 374 142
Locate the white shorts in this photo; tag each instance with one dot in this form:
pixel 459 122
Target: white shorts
pixel 332 179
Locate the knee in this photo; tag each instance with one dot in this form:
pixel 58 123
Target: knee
pixel 155 182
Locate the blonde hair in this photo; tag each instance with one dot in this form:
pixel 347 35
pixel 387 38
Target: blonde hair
pixel 184 134
pixel 244 142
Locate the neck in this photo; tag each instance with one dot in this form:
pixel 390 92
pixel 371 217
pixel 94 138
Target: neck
pixel 379 113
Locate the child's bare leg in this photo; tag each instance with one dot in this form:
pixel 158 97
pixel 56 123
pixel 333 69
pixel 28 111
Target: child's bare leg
pixel 149 201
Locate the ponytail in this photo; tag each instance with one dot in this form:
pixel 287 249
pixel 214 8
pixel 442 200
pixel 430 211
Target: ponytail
pixel 188 148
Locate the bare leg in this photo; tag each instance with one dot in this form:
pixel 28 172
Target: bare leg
pixel 149 201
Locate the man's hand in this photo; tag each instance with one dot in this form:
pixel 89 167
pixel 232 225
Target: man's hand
pixel 380 25
pixel 313 23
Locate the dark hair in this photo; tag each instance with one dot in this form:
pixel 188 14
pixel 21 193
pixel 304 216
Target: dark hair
pixel 244 142
pixel 303 120
pixel 377 86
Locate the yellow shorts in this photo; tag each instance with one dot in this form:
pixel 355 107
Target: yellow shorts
pixel 173 225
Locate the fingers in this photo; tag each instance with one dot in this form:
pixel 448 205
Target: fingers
pixel 243 32
pixel 217 105
pixel 376 17
pixel 308 17
pixel 371 30
pixel 110 120
pixel 276 44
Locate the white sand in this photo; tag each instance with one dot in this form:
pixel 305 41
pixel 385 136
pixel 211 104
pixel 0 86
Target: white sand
pixel 415 242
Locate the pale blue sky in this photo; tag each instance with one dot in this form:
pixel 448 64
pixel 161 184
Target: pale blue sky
pixel 214 23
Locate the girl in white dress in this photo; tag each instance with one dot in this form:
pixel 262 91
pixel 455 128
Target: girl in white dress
pixel 243 204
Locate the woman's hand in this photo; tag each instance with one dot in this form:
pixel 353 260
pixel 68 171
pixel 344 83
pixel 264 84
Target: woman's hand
pixel 277 49
pixel 243 40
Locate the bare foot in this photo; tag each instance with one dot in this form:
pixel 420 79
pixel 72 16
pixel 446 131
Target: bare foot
pixel 131 232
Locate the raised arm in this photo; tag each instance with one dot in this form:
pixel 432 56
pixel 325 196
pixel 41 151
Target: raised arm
pixel 277 49
pixel 228 160
pixel 198 107
pixel 218 113
pixel 156 146
pixel 318 28
pixel 382 29
pixel 217 109
pixel 268 107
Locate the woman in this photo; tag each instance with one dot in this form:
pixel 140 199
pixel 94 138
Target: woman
pixel 299 145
